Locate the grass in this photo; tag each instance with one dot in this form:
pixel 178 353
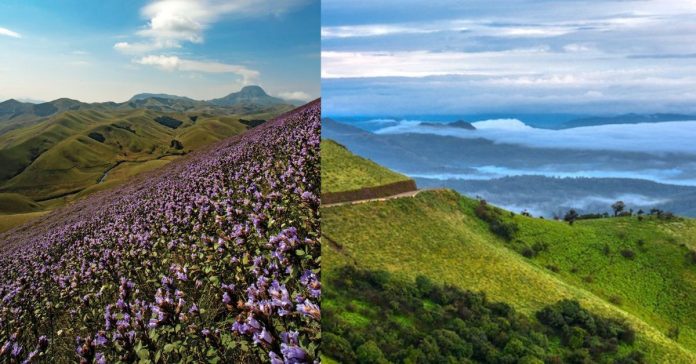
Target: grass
pixel 8 221
pixel 342 170
pixel 639 265
pixel 16 203
pixel 55 161
pixel 436 234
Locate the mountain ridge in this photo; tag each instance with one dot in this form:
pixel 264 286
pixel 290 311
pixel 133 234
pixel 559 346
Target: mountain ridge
pixel 15 114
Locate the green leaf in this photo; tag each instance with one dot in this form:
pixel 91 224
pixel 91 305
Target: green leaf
pixel 169 348
pixel 144 354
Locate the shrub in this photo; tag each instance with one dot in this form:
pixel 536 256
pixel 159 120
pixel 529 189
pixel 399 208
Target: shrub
pixel 528 252
pixel 628 253
pixel 370 353
pixel 97 136
pixel 606 249
pixel 673 333
pixel 176 144
pixel 553 268
pixel 338 347
pixel 491 215
pixel 691 256
pixel 615 300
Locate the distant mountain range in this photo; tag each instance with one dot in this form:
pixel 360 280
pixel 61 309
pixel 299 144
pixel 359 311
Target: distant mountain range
pixel 455 124
pixel 249 100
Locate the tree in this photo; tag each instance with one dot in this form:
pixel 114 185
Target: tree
pixel 618 206
pixel 571 216
pixel 369 353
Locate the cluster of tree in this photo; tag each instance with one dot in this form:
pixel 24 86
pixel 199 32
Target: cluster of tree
pixel 588 335
pixel 375 318
pixel 168 121
pixel 494 217
pixel 619 208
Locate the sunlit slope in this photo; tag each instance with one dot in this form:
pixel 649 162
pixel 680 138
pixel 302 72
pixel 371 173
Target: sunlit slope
pixel 72 151
pixel 342 170
pixel 643 266
pixel 438 234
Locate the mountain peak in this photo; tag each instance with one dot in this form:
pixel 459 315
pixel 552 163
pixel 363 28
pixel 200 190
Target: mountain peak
pixel 10 102
pixel 248 94
pixel 253 90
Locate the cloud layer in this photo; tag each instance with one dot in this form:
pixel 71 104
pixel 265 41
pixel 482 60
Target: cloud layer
pixel 605 56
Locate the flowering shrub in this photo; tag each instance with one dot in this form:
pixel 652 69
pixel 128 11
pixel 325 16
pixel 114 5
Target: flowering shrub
pixel 212 259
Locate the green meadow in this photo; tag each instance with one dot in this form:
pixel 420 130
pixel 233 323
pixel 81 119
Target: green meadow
pixel 641 271
pixel 342 170
pixel 55 160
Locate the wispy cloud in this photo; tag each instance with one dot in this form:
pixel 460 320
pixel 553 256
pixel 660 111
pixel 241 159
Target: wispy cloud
pixel 174 22
pixel 423 63
pixel 295 95
pixel 174 63
pixel 9 33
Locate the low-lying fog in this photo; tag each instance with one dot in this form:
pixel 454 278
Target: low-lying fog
pixel 646 165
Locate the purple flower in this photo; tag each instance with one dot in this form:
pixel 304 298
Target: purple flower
pixel 293 354
pixel 275 359
pixel 100 339
pixel 16 350
pixel 309 309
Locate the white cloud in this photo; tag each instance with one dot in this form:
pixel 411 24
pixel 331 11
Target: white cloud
pixel 295 95
pixel 422 63
pixel 172 22
pixel 9 33
pixel 576 48
pixel 174 63
pixel 373 30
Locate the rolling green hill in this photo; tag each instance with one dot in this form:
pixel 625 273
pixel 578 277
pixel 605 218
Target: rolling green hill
pixel 342 170
pixel 640 271
pixel 250 100
pixel 48 161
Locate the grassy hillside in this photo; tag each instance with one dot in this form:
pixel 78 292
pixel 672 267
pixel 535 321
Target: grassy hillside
pixel 342 170
pixel 152 272
pixel 16 203
pixel 439 235
pixel 74 153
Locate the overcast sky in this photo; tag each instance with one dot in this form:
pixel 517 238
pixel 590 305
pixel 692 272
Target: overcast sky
pixel 515 56
pixel 109 50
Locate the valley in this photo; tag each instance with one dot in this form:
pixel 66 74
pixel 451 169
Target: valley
pixel 55 153
pixel 544 171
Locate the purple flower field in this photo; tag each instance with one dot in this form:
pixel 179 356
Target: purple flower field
pixel 215 258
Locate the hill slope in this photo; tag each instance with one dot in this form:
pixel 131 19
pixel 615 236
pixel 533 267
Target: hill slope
pixel 154 270
pixel 439 235
pixel 342 170
pixel 55 159
pixel 15 114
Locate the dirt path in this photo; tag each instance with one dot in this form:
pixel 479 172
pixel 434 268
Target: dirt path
pixel 400 195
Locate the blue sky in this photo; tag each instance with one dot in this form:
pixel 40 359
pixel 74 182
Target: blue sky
pixel 401 57
pixel 110 50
